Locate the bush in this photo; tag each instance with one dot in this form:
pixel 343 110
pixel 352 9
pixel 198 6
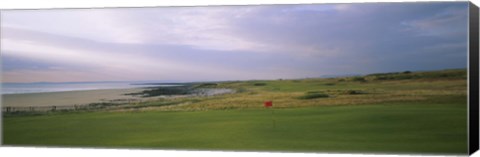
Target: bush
pixel 241 90
pixel 313 95
pixel 381 78
pixel 353 92
pixel 329 84
pixel 157 91
pixel 359 79
pixel 259 84
pixel 404 77
pixel 207 85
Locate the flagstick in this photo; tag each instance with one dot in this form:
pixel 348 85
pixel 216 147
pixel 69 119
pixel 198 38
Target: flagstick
pixel 268 104
pixel 273 118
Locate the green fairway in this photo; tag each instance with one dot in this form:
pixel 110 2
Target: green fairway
pixel 408 128
pixel 420 112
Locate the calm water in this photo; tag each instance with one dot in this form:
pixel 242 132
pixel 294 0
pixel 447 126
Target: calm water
pixel 17 88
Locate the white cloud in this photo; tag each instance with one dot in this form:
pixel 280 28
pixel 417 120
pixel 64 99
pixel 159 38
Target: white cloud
pixel 102 65
pixel 208 28
pixel 445 23
pixel 203 28
pixel 162 43
pixel 93 24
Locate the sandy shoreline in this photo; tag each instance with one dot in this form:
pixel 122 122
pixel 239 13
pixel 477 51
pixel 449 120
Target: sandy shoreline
pixel 68 98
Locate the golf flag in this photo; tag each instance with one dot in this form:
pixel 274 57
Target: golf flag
pixel 267 104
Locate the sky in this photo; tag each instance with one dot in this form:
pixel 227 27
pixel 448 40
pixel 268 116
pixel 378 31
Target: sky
pixel 231 42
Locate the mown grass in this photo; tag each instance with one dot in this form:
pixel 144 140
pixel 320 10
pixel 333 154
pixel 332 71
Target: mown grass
pixel 387 128
pixel 410 112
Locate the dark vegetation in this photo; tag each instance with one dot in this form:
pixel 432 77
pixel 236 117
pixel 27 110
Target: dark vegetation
pixel 206 85
pixel 48 110
pixel 455 74
pixel 259 84
pixel 354 92
pixel 314 95
pixel 178 89
pixel 359 79
pixel 157 91
pixel 444 74
pixel 329 93
pixel 329 84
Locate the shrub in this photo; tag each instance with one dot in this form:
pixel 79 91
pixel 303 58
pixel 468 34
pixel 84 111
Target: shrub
pixel 259 84
pixel 329 84
pixel 156 91
pixel 241 90
pixel 381 78
pixel 403 77
pixel 206 85
pixel 359 79
pixel 353 92
pixel 310 95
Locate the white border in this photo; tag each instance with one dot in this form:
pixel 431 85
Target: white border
pixel 74 152
pixel 32 4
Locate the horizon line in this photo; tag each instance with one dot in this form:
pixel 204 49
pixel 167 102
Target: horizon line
pixel 172 81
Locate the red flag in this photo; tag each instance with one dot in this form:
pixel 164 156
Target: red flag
pixel 267 104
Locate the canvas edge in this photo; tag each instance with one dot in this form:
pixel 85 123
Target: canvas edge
pixel 473 79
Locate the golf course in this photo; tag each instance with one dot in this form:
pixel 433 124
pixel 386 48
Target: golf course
pixel 422 112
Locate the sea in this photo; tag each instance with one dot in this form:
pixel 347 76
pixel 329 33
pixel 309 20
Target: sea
pixel 42 87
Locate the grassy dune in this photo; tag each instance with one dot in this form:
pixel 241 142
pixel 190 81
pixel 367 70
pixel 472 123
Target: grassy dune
pixel 419 87
pixel 422 112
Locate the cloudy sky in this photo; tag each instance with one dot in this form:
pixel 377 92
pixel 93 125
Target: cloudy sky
pixel 231 42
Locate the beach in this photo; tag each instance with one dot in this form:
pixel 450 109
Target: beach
pixel 69 98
